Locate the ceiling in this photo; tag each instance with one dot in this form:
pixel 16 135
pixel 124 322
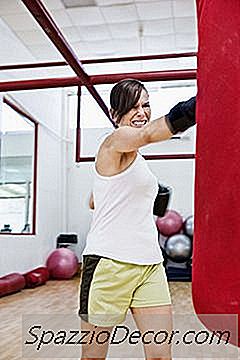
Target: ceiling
pixel 106 28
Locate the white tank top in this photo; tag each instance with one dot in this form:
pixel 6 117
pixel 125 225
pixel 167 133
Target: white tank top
pixel 123 226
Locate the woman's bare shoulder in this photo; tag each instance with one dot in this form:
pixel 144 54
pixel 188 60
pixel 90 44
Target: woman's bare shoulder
pixel 110 162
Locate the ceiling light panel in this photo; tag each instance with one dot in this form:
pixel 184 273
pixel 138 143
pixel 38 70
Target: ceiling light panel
pixel 78 3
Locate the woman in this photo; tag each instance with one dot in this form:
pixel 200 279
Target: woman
pixel 122 260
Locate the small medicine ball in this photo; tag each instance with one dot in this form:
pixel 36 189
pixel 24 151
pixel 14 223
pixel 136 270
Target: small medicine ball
pixel 178 248
pixel 170 224
pixel 188 226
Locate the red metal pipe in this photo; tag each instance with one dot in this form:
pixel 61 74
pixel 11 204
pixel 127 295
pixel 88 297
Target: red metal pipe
pixel 170 157
pixel 148 157
pixel 39 83
pixel 101 103
pixel 35 179
pixel 145 76
pixel 43 17
pixel 32 65
pixel 140 58
pixel 98 61
pixel 96 79
pixel 19 110
pixel 78 129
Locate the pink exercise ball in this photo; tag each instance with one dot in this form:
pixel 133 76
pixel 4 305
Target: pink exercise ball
pixel 62 264
pixel 170 224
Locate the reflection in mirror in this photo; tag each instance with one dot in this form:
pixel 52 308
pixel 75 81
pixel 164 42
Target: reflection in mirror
pixel 18 135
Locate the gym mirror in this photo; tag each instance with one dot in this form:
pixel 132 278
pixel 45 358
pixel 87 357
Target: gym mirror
pixel 18 140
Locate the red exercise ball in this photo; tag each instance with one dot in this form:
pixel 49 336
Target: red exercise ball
pixel 62 264
pixel 170 224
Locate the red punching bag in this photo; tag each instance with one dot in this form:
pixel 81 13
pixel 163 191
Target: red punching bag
pixel 216 269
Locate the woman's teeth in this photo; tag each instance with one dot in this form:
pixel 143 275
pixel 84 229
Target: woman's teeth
pixel 139 122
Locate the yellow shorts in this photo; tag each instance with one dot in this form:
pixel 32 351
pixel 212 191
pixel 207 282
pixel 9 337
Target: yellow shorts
pixel 110 287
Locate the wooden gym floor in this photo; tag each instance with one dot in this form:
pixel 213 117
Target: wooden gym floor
pixel 56 297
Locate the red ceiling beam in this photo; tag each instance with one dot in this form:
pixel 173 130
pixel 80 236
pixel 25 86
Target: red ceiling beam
pixel 44 19
pixel 147 157
pixel 145 76
pixel 19 110
pixel 98 61
pixel 15 85
pixel 96 79
pixel 42 16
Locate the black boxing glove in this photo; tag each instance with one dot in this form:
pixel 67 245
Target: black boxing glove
pixel 182 116
pixel 162 200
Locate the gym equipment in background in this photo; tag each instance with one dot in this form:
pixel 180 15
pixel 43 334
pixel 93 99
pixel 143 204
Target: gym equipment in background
pixel 170 224
pixel 62 264
pixel 176 247
pixel 36 277
pixel 65 240
pixel 162 200
pixel 11 283
pixel 188 226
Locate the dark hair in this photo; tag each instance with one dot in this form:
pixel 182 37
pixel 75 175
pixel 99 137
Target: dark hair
pixel 124 95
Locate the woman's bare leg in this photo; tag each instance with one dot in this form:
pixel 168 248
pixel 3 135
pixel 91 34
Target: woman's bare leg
pixel 95 342
pixel 155 319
